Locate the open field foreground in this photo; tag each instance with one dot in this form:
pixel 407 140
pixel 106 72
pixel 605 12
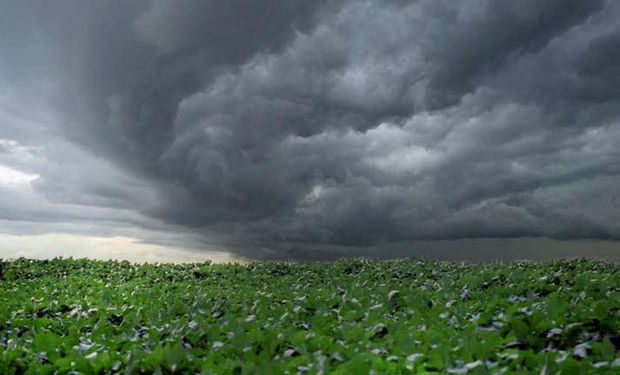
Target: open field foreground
pixel 348 317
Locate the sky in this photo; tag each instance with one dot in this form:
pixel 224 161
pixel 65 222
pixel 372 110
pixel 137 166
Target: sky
pixel 154 130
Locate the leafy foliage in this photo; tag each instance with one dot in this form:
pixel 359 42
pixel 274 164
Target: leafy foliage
pixel 348 317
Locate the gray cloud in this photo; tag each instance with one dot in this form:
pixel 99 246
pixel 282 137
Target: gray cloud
pixel 275 127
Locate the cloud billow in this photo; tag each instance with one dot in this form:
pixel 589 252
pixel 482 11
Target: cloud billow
pixel 285 125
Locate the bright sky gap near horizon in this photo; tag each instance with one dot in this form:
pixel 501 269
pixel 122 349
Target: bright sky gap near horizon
pixel 154 130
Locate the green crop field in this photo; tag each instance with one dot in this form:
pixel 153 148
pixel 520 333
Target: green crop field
pixel 347 317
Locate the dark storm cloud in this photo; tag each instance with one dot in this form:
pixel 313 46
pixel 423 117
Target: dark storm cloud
pixel 273 127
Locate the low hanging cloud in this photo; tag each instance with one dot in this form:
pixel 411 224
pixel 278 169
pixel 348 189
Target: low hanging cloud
pixel 273 127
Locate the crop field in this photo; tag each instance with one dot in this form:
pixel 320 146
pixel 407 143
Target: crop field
pixel 349 317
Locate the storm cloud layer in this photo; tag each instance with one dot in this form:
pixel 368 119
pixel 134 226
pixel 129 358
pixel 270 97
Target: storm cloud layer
pixel 278 126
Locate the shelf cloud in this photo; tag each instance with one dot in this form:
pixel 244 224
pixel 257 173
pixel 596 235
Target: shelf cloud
pixel 274 128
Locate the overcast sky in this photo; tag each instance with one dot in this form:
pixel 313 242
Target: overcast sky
pixel 199 129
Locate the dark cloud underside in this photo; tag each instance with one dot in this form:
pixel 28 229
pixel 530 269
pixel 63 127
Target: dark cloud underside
pixel 276 126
